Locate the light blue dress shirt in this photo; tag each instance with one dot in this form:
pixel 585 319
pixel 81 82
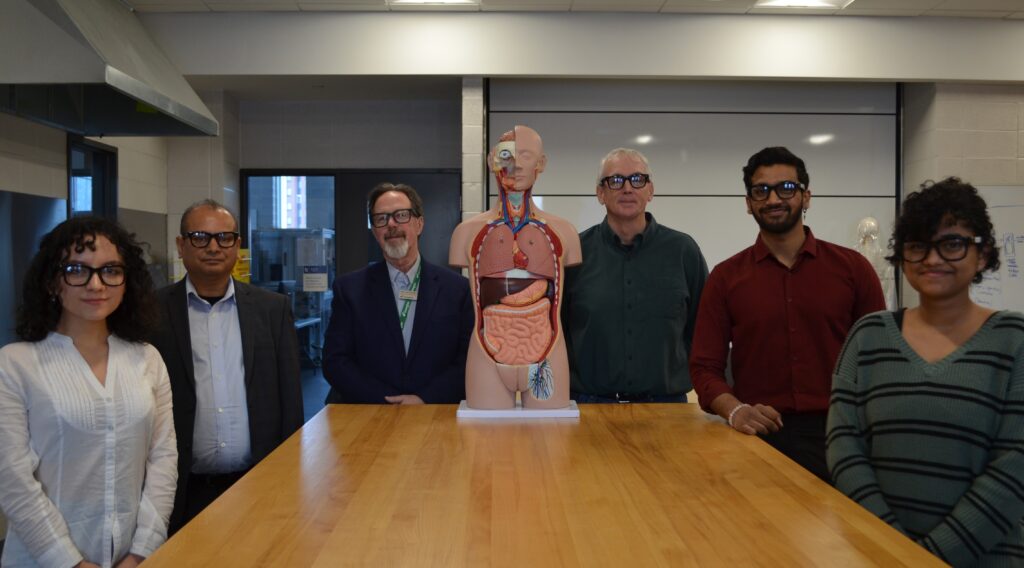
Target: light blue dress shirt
pixel 220 442
pixel 403 281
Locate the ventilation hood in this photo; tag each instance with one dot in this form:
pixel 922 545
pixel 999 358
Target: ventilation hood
pixel 89 67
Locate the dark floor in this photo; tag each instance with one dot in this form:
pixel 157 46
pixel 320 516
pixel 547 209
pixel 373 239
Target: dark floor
pixel 314 391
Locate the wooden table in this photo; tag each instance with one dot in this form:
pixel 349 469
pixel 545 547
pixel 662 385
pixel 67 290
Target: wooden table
pixel 625 485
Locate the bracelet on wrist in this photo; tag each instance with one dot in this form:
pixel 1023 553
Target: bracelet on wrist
pixel 732 413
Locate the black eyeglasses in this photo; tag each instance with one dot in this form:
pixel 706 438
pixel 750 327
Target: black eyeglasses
pixel 401 216
pixel 618 181
pixel 784 189
pixel 201 239
pixel 80 274
pixel 953 247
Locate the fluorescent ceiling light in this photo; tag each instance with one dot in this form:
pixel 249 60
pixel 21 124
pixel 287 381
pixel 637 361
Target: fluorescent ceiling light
pixel 644 139
pixel 819 139
pixel 826 4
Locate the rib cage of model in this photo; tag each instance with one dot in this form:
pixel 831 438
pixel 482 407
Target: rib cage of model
pixel 516 255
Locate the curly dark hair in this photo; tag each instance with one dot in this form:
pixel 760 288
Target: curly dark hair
pixel 39 313
pixel 944 204
pixel 772 156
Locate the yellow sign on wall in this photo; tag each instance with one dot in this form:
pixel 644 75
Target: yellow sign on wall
pixel 242 268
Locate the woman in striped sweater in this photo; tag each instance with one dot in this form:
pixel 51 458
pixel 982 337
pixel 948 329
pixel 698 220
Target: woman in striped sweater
pixel 926 421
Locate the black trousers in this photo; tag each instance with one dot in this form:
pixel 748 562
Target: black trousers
pixel 802 439
pixel 205 489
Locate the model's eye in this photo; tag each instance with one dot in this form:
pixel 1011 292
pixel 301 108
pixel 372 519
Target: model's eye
pixel 505 154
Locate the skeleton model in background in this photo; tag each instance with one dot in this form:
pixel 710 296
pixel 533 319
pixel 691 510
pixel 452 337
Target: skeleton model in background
pixel 869 245
pixel 516 255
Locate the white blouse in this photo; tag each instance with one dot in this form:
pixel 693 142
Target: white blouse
pixel 86 470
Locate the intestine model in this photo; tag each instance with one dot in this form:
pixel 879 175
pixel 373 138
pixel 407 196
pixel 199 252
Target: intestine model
pixel 516 255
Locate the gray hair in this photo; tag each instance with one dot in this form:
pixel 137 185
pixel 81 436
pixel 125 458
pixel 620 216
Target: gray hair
pixel 210 203
pixel 623 152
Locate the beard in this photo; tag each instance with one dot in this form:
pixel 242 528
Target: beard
pixel 781 226
pixel 396 250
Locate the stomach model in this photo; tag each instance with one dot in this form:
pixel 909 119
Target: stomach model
pixel 517 277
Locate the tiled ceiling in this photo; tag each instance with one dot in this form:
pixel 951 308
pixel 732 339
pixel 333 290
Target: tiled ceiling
pixel 1010 9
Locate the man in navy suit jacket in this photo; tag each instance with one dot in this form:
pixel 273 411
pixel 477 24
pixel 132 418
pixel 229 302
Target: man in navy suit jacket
pixel 399 329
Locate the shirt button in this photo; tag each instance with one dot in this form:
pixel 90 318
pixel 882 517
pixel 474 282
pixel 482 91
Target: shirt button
pixel 629 281
pixel 792 329
pixel 789 299
pixel 629 305
pixel 220 410
pixel 629 332
pixel 223 445
pixel 630 357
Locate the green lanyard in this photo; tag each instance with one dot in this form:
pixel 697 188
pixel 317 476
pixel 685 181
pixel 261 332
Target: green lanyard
pixel 408 303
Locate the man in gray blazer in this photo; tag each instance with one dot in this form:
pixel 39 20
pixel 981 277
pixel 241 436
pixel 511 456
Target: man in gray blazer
pixel 232 356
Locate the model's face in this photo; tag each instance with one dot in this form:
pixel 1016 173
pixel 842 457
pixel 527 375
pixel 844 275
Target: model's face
pixel 627 203
pixel 96 300
pixel 397 240
pixel 774 214
pixel 212 262
pixel 936 278
pixel 530 160
pixel 503 164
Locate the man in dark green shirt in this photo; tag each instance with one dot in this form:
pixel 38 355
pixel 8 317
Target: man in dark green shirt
pixel 630 308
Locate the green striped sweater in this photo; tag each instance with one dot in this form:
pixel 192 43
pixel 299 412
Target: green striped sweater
pixel 936 450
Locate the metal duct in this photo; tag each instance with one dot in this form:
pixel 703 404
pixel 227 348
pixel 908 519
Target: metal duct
pixel 89 67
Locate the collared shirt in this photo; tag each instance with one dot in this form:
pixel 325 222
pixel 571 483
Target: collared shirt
pixel 86 469
pixel 629 311
pixel 403 281
pixel 220 442
pixel 786 325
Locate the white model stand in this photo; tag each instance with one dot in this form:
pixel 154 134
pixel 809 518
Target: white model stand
pixel 571 411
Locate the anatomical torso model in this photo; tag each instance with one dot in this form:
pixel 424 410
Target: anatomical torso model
pixel 516 255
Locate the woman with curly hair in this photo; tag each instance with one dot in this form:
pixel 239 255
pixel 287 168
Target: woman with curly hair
pixel 926 420
pixel 88 459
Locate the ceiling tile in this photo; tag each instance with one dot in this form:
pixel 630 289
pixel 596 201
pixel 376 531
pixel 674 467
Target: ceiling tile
pixel 362 6
pixel 616 5
pixel 518 5
pixel 701 10
pixel 720 4
pixel 252 6
pixel 967 13
pixel 165 6
pixel 878 12
pixel 982 5
pixel 897 5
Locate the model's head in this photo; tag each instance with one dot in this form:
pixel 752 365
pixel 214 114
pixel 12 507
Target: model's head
pixel 625 185
pixel 396 214
pixel 945 225
pixel 777 188
pixel 208 242
pixel 87 269
pixel 517 159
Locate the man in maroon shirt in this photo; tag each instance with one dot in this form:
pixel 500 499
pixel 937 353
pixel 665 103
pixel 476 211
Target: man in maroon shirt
pixel 785 305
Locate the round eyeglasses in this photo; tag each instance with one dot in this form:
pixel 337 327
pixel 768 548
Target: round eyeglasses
pixel 950 248
pixel 618 181
pixel 201 239
pixel 784 189
pixel 401 216
pixel 80 274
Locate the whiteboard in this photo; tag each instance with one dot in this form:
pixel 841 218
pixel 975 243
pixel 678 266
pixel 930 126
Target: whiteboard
pixel 1004 289
pixel 697 137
